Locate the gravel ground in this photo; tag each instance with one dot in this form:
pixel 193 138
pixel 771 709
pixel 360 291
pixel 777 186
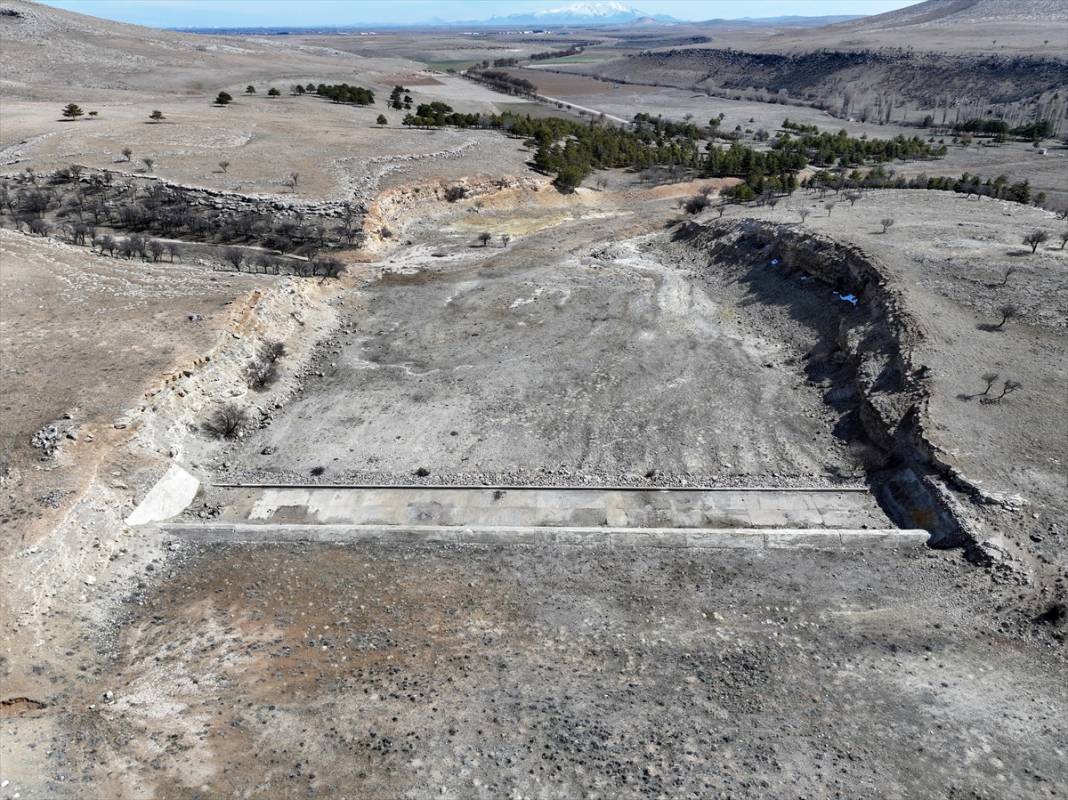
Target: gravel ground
pixel 465 672
pixel 562 362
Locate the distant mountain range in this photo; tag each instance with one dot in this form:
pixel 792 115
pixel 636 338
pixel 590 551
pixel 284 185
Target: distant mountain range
pixel 581 14
pixel 596 13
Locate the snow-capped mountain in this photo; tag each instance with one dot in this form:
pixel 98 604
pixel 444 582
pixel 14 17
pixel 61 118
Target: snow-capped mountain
pixel 593 13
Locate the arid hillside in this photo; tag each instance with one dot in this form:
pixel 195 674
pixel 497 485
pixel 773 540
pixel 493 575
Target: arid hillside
pixel 973 57
pixel 47 49
pixel 924 78
pixel 1023 27
pixel 359 439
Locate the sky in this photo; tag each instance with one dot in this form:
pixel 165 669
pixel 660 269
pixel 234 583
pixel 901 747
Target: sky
pixel 301 13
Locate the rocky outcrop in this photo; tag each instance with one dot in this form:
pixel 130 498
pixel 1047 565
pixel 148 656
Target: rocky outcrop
pixel 876 347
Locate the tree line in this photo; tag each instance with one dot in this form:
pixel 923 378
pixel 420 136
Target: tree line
pixel 91 209
pixel 344 93
pixel 999 128
pixel 999 188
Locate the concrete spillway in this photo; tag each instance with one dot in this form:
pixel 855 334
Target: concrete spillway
pixel 620 516
pixel 553 507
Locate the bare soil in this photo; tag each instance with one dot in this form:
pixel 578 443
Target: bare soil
pixel 398 671
pixel 595 346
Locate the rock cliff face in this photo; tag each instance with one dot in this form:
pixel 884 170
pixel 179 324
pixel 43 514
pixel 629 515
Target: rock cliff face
pixel 876 368
pixel 919 77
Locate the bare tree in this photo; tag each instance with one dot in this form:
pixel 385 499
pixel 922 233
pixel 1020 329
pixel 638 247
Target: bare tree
pixel 887 223
pixel 1007 388
pixel 225 422
pixel 989 378
pixel 224 165
pixel 149 163
pixel 1064 238
pixel 803 213
pixel 1007 311
pixel 294 180
pixel 234 256
pixel 1005 278
pixel 173 251
pixel 267 263
pixel 695 204
pixel 126 153
pixel 156 248
pixel 1035 238
pixel 484 237
pixel 505 239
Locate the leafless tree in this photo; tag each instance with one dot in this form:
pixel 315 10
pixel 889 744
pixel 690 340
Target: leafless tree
pixel 803 213
pixel 234 256
pixel 696 204
pixel 1007 388
pixel 293 181
pixel 1064 238
pixel 989 378
pixel 225 422
pixel 505 239
pixel 149 163
pixel 156 248
pixel 1035 238
pixel 173 251
pixel 1005 278
pixel 1007 311
pixel 127 153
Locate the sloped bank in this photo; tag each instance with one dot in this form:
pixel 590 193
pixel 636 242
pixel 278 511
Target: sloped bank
pixel 873 351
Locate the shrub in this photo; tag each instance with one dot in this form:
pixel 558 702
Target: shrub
pixel 223 99
pixel 454 193
pixel 225 422
pixel 72 111
pixel 887 223
pixel 263 369
pixel 272 92
pixel 250 89
pixel 696 204
pixel 382 120
pixel 156 116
